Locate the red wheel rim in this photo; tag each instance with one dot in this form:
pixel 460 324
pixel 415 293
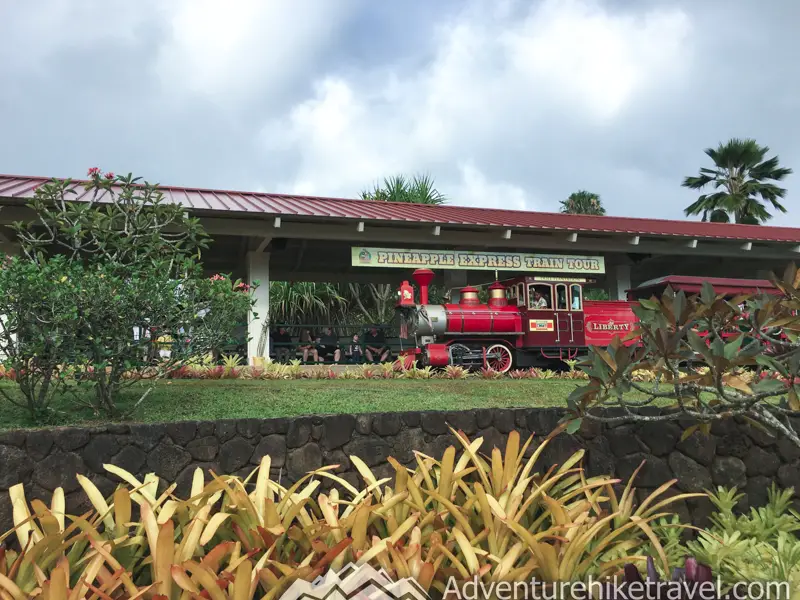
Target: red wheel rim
pixel 502 362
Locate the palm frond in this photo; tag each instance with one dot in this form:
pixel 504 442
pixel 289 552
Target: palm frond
pixel 583 203
pixel 743 178
pixel 420 189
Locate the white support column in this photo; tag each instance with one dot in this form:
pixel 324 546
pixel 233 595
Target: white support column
pixel 454 281
pixel 619 281
pixel 8 249
pixel 258 270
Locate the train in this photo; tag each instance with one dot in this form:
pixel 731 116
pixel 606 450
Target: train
pixel 529 320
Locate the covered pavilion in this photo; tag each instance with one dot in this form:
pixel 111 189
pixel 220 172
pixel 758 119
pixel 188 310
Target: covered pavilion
pixel 258 236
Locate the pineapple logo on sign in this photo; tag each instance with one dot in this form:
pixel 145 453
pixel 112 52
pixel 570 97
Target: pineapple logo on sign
pixel 356 583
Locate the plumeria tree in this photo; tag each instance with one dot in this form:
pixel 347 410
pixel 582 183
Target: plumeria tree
pixel 712 358
pixel 132 267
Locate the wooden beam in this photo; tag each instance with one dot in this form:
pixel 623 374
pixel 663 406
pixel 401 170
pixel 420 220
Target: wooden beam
pixel 263 244
pixel 336 276
pixel 522 241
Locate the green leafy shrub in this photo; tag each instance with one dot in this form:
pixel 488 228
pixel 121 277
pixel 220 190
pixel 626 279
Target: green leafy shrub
pixel 759 545
pixel 103 285
pixel 40 308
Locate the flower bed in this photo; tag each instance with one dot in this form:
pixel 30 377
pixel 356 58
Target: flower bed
pixel 464 515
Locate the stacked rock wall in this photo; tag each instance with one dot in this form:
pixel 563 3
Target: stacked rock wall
pixel 735 454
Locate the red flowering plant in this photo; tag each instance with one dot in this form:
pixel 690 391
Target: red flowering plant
pixel 140 305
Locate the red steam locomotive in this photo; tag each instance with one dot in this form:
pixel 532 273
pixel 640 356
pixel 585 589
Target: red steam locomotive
pixel 529 320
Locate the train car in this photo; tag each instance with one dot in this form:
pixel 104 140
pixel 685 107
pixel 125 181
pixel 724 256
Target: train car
pixel 693 285
pixel 528 320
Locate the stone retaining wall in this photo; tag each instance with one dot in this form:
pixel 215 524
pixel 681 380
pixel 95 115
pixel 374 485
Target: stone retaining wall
pixel 735 453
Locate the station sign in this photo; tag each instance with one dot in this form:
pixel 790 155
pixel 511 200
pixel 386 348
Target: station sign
pixel 476 260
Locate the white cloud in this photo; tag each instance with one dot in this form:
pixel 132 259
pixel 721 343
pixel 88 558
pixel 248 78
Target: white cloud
pixel 231 51
pixel 38 31
pixel 492 95
pixel 475 190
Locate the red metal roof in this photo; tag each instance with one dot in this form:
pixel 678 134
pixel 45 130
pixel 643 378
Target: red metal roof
pixel 231 202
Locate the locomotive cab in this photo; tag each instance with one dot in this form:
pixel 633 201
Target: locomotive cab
pixel 551 309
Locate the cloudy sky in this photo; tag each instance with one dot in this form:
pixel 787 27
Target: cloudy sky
pixel 507 103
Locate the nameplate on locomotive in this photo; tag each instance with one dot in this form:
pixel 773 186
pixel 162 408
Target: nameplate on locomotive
pixel 540 325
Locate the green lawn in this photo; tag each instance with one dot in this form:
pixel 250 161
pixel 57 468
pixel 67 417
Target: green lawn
pixel 227 399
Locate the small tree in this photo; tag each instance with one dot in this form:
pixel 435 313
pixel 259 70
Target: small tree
pixel 133 266
pixel 747 348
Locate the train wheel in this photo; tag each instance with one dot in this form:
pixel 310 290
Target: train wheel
pixel 502 362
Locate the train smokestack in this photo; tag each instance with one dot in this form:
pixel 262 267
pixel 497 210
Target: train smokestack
pixel 423 278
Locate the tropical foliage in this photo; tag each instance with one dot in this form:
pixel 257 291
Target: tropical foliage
pixel 583 203
pixel 389 370
pixel 419 189
pixel 324 303
pixel 495 516
pixel 759 332
pixel 299 302
pixel 759 545
pixel 744 183
pixel 101 285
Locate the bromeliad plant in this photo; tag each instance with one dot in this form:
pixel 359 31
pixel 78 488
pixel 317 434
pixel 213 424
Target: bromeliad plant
pixel 495 517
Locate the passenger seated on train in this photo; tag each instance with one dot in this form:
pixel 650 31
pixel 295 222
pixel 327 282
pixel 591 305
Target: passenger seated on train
pixel 538 302
pixel 375 343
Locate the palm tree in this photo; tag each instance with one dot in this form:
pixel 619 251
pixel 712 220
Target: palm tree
pixel 375 303
pixel 419 189
pixel 583 203
pixel 742 178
